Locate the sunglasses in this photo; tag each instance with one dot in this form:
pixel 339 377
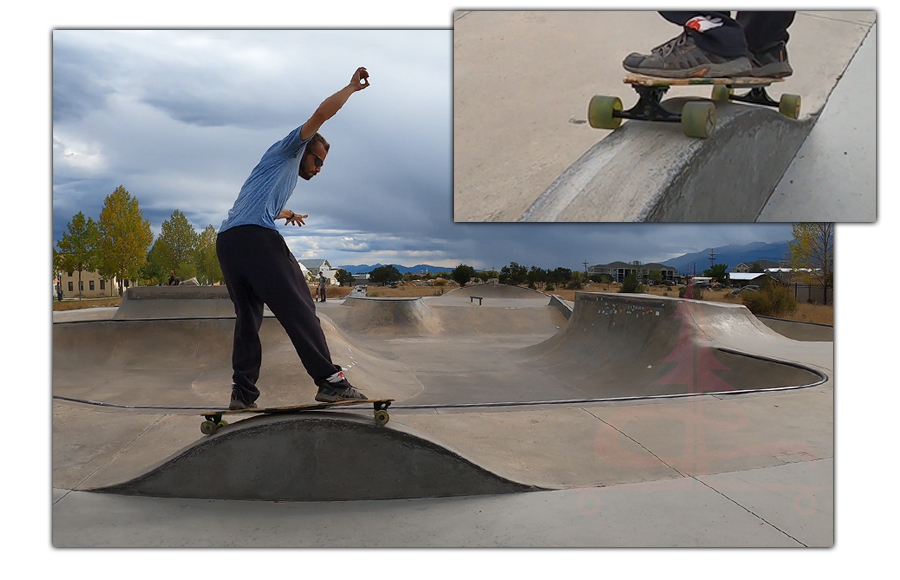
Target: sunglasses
pixel 318 162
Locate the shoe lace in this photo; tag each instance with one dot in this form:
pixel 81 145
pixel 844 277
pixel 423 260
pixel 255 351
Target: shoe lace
pixel 667 47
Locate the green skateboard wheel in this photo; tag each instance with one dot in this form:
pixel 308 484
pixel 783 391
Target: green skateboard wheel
pixel 789 106
pixel 381 418
pixel 721 93
pixel 698 119
pixel 600 112
pixel 208 427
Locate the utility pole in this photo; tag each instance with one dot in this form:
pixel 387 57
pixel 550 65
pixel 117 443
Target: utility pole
pixel 712 257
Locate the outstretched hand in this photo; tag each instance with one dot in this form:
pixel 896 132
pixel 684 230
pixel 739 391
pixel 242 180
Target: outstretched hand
pixel 292 218
pixel 360 79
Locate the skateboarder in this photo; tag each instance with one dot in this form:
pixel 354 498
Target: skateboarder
pixel 259 268
pixel 715 45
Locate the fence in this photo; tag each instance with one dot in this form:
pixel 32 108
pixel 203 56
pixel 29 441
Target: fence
pixel 809 293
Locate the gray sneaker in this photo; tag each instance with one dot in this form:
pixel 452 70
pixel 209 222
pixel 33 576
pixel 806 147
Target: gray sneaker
pixel 336 388
pixel 772 61
pixel 681 58
pixel 237 403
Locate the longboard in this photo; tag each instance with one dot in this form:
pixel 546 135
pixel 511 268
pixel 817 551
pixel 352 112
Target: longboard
pixel 213 419
pixel 697 117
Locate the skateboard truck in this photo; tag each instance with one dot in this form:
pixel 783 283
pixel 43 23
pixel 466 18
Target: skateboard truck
pixel 697 117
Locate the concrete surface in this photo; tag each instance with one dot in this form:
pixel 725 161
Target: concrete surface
pixel 157 302
pixel 637 174
pixel 833 177
pixel 522 81
pixel 750 469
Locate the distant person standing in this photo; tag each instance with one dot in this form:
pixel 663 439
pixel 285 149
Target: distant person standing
pixel 172 280
pixel 323 283
pixel 259 269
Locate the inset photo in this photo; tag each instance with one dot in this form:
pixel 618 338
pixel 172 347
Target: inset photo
pixel 670 116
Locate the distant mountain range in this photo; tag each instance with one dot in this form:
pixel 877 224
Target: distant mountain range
pixel 731 255
pixel 417 269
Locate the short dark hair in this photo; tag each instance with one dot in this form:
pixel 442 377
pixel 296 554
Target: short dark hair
pixel 317 138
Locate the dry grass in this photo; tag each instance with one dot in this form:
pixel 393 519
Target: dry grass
pixel 87 303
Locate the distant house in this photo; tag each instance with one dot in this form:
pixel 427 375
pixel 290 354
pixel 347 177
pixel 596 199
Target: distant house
pixel 618 271
pixel 92 285
pixel 744 267
pixel 744 278
pixel 316 267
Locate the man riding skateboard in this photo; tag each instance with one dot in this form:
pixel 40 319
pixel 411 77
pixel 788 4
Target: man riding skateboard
pixel 715 45
pixel 259 269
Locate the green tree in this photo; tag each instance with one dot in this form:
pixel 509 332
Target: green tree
pixel 462 274
pixel 124 237
pixel 183 243
pixel 78 247
pixel 717 271
pixel 155 269
pixel 344 277
pixel 513 274
pixel 385 274
pixel 208 268
pixel 812 252
pixel 631 285
pixel 656 276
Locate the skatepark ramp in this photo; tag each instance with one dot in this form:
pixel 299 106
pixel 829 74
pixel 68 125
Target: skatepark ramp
pixel 146 302
pixel 315 458
pixel 651 172
pixel 641 346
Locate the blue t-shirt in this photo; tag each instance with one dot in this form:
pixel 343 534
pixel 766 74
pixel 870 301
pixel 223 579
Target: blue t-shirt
pixel 270 185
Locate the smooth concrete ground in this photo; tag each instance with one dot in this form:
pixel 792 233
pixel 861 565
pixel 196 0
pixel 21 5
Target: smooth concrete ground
pixel 713 470
pixel 522 81
pixel 834 174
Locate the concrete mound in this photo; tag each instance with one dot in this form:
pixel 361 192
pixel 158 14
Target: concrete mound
pixel 315 458
pixel 395 317
pixel 188 362
pixel 651 172
pixel 637 346
pixel 149 302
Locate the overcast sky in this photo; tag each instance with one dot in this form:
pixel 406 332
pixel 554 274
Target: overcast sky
pixel 180 118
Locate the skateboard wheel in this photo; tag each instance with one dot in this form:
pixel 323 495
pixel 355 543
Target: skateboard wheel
pixel 721 93
pixel 600 112
pixel 698 119
pixel 208 427
pixel 222 423
pixel 789 106
pixel 381 418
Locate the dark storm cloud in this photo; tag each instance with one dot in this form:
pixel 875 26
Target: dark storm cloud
pixel 80 81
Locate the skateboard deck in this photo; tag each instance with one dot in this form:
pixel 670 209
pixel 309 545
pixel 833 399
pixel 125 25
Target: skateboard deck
pixel 213 419
pixel 697 117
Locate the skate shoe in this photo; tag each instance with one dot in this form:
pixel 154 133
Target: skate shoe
pixel 237 403
pixel 681 58
pixel 336 388
pixel 771 61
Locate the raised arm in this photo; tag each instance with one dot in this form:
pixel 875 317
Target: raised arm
pixel 333 104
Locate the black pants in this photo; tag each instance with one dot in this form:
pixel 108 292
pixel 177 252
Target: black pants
pixel 260 269
pixel 747 32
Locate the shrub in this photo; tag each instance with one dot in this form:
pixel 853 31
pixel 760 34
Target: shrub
pixel 772 299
